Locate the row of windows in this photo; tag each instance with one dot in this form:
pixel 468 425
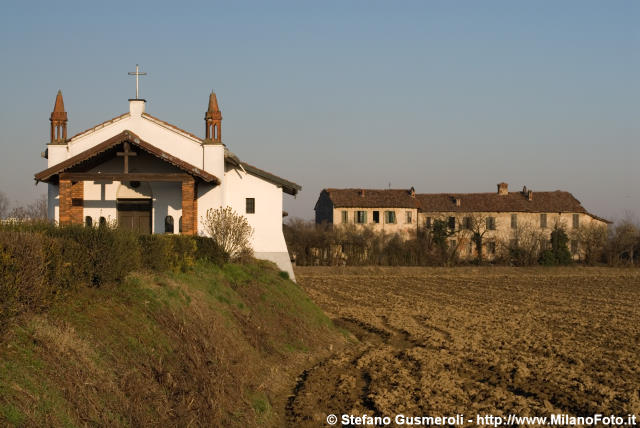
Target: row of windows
pixel 490 222
pixel 88 221
pixel 360 217
pixel 168 223
pixel 168 220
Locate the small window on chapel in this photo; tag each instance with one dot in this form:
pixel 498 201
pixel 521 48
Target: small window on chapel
pixel 409 219
pixel 376 216
pixel 251 205
pixel 88 221
pixel 576 221
pixel 543 221
pixel 168 224
pixel 180 224
pixel 345 217
pixel 102 221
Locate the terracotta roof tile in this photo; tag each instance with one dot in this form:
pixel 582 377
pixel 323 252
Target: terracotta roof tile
pixel 549 202
pixel 373 198
pixel 557 201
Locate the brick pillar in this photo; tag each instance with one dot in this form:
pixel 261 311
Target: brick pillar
pixel 71 202
pixel 65 202
pixel 77 202
pixel 189 208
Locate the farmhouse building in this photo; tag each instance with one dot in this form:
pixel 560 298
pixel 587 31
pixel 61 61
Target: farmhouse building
pixel 153 177
pixel 500 217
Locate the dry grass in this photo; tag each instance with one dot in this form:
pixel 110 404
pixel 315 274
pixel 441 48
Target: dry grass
pixel 211 347
pixel 437 341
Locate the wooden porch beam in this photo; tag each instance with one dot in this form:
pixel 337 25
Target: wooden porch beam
pixel 132 176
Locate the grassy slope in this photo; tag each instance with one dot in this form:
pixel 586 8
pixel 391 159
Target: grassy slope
pixel 215 346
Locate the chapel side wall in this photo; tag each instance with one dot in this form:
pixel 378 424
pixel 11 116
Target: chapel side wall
pixel 401 227
pixel 267 219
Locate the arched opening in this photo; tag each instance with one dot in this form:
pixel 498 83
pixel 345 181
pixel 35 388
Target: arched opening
pixel 88 221
pixel 168 224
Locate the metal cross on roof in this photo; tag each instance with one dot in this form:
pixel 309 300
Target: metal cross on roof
pixel 137 73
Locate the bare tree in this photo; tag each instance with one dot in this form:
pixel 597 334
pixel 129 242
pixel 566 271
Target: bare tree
pixel 623 243
pixel 231 231
pixel 34 211
pixel 4 205
pixel 592 239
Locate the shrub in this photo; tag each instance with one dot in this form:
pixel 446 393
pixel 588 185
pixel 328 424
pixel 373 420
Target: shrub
pixel 207 249
pixel 231 231
pixel 23 274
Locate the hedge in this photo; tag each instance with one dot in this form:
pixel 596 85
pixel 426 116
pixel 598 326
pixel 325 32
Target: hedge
pixel 39 261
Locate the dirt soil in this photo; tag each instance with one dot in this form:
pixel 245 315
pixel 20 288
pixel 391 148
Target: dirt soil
pixel 436 341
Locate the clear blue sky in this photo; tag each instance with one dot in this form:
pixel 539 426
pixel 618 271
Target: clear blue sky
pixel 446 96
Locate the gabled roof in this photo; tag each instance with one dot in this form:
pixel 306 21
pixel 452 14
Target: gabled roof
pixel 543 202
pixel 287 186
pixel 557 201
pixel 125 136
pixel 372 198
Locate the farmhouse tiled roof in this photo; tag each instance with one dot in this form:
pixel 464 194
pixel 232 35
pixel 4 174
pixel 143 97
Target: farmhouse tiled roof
pixel 557 201
pixel 543 202
pixel 372 198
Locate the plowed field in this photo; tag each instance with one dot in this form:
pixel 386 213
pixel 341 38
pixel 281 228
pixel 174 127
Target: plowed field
pixel 435 341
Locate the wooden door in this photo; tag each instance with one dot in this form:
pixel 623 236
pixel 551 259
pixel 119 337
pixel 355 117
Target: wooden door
pixel 135 215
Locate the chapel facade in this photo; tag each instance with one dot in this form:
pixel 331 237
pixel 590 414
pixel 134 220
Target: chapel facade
pixel 150 176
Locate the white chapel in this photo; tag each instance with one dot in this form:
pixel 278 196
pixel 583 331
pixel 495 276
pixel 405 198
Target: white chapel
pixel 153 177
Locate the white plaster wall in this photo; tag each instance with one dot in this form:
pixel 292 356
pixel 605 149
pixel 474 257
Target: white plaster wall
pixel 209 196
pixel 56 153
pixel 53 202
pixel 267 220
pixel 100 200
pixel 160 135
pixel 167 200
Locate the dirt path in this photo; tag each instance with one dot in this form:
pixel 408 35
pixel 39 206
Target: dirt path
pixel 342 383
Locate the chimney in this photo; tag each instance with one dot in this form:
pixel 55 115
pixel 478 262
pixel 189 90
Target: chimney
pixel 503 189
pixel 412 192
pixel 458 202
pixel 362 193
pixel 530 195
